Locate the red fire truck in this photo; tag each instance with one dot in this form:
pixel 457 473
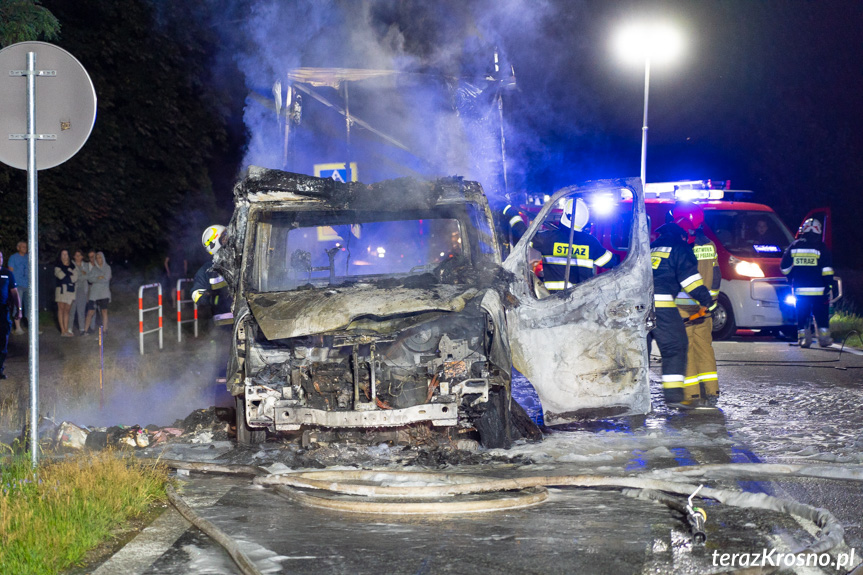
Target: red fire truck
pixel 750 240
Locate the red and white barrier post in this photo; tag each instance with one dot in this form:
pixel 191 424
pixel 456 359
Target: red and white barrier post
pixel 141 311
pixel 180 302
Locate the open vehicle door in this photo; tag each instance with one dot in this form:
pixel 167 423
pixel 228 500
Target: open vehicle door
pixel 584 348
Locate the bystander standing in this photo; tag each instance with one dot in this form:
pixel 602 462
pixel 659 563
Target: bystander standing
pixel 19 265
pixel 10 305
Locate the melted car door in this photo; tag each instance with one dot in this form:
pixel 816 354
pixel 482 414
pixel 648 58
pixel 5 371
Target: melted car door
pixel 583 347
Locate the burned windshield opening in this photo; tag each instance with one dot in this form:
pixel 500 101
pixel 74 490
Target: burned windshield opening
pixel 301 249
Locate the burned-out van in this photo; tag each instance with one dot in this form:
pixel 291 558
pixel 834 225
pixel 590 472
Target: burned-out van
pixel 380 306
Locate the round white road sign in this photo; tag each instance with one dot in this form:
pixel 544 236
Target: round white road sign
pixel 65 105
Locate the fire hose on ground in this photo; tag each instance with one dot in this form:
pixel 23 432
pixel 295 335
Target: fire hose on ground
pixel 532 490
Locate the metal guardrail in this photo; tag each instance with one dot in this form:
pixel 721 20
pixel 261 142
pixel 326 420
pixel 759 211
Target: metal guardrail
pixel 141 311
pixel 180 302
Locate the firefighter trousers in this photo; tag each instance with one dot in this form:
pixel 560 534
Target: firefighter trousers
pixel 670 336
pixel 816 305
pixel 701 378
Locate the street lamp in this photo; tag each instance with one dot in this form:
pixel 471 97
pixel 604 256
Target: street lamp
pixel 650 43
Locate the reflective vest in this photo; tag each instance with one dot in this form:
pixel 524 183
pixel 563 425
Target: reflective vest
pixel 808 265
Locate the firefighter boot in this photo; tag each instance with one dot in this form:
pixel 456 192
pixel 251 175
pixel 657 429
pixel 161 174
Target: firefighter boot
pixel 824 339
pixel 804 338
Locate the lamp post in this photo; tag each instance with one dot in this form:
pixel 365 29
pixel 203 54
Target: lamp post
pixel 650 43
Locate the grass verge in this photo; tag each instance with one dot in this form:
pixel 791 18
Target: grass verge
pixel 51 517
pixel 842 324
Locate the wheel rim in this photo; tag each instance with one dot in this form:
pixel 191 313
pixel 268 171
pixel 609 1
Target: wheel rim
pixel 720 317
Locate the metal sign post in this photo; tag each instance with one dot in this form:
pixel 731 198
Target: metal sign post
pixel 61 117
pixel 33 242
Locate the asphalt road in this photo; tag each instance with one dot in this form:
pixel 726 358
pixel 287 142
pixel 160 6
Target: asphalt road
pixel 780 404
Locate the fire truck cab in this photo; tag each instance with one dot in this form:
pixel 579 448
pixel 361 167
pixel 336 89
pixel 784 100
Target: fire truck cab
pixel 750 240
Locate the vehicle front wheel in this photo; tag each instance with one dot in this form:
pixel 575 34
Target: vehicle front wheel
pixel 245 434
pixel 724 325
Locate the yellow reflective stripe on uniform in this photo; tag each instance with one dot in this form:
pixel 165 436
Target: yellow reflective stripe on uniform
pixel 562 261
pixel 809 291
pixel 555 286
pixel 603 259
pixel 689 283
pixel 714 292
pixel 690 381
pixel 672 381
pixel 663 300
pixel 196 295
pixel 218 282
pixel 514 220
pixel 708 376
pixel 827 272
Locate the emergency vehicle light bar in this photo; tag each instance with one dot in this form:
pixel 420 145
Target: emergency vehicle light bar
pixel 689 190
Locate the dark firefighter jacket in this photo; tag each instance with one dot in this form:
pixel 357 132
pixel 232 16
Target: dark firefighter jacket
pixel 808 265
pixel 675 267
pixel 516 221
pixel 587 254
pixel 210 288
pixel 708 267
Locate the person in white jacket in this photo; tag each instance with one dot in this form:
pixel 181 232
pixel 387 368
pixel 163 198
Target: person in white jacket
pixel 64 294
pixel 99 278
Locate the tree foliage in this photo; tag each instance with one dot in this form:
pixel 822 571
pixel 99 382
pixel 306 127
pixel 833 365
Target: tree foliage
pixel 26 20
pixel 142 181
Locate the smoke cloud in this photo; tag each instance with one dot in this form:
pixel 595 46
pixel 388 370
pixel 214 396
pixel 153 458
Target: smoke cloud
pixel 442 105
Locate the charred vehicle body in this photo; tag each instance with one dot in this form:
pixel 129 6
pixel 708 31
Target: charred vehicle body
pixel 385 306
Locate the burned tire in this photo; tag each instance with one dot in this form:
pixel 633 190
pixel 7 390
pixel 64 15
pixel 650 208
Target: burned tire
pixel 724 325
pixel 494 425
pixel 245 434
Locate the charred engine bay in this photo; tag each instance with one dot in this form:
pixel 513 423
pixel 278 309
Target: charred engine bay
pixel 323 370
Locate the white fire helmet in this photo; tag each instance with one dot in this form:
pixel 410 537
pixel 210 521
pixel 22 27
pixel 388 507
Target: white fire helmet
pixel 810 225
pixel 212 239
pixel 582 215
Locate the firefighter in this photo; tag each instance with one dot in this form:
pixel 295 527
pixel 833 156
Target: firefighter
pixel 208 287
pixel 585 253
pixel 675 267
pixel 517 222
pixel 701 376
pixel 808 265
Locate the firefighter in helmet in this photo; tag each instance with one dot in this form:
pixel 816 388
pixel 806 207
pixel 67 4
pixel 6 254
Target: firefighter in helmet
pixel 209 287
pixel 808 265
pixel 701 380
pixel 568 242
pixel 674 269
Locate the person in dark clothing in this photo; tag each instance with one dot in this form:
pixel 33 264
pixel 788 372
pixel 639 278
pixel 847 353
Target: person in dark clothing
pixel 583 252
pixel 10 308
pixel 208 287
pixel 517 222
pixel 809 266
pixel 674 268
